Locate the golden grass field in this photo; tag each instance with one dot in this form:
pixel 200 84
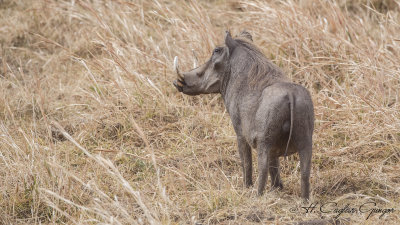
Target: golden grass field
pixel 92 130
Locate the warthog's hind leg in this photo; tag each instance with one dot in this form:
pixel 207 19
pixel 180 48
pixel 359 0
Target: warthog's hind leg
pixel 263 150
pixel 275 173
pixel 305 168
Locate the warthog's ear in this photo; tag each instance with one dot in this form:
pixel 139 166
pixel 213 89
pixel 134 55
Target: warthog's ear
pixel 245 35
pixel 230 42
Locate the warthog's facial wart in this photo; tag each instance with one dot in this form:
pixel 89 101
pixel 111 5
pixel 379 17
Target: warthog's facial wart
pixel 268 112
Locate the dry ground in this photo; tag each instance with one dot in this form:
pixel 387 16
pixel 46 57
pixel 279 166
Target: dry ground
pixel 92 131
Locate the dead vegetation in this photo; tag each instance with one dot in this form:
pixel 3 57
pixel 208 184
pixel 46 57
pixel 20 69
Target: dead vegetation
pixel 92 130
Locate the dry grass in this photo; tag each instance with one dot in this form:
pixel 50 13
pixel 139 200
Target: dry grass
pixel 92 131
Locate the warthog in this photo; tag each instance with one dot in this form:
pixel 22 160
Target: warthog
pixel 268 112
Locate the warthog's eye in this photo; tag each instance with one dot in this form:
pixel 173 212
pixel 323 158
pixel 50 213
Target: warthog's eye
pixel 217 50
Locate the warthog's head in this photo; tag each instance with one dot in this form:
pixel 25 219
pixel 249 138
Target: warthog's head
pixel 208 77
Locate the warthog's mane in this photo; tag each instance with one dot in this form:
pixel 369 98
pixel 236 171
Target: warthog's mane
pixel 260 71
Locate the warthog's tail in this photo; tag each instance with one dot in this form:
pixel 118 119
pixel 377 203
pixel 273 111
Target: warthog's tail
pixel 291 106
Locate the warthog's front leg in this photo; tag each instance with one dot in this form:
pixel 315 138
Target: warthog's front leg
pixel 262 167
pixel 245 156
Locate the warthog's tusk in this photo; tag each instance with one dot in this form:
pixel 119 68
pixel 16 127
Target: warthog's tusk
pixel 180 77
pixel 195 60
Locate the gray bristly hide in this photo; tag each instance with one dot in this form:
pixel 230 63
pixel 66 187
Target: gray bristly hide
pixel 269 113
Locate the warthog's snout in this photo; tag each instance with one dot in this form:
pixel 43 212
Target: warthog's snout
pixel 199 80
